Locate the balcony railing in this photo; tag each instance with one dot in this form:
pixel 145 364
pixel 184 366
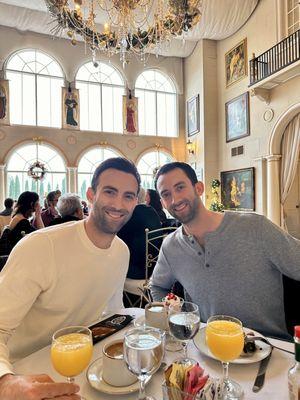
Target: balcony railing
pixel 278 57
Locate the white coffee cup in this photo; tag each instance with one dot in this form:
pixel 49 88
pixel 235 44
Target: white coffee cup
pixel 156 315
pixel 114 369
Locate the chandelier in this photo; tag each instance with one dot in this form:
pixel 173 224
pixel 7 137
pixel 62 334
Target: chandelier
pixel 130 27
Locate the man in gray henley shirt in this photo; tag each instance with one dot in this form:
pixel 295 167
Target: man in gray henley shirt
pixel 229 263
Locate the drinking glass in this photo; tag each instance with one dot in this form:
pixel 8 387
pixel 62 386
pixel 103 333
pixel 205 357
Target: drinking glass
pixel 225 339
pixel 71 351
pixel 184 322
pixel 143 354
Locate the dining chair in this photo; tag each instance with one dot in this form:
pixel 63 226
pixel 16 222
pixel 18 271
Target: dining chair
pixel 140 287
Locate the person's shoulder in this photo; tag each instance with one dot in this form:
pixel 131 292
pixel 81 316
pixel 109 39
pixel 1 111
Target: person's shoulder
pixel 245 217
pixel 120 246
pixel 173 237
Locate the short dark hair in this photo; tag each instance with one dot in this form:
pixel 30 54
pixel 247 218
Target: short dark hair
pixel 186 168
pixel 119 163
pixel 8 203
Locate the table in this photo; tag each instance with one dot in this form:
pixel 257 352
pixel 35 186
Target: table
pixel 276 385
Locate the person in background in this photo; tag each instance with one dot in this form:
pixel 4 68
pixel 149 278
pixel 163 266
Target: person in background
pixel 19 226
pixel 8 204
pixel 133 234
pixel 51 212
pixel 69 208
pixel 229 263
pixel 58 193
pixel 152 199
pixel 65 275
pixel 85 207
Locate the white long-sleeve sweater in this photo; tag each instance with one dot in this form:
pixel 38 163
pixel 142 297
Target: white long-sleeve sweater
pixel 56 277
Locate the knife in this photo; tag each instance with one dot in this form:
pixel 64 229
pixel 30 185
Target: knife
pixel 260 378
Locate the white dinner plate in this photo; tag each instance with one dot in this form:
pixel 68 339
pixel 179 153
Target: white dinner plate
pixel 262 351
pixel 94 377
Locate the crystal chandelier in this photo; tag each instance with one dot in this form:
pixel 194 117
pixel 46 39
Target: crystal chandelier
pixel 135 27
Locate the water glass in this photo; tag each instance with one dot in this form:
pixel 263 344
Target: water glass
pixel 184 322
pixel 143 354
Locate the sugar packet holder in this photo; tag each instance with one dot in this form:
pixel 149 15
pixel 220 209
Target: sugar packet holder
pixel 211 391
pixel 107 327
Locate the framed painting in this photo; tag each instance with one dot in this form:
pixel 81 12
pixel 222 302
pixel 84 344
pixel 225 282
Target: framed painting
pixel 4 102
pixel 236 63
pixel 130 115
pixel 237 117
pixel 238 189
pixel 193 118
pixel 70 108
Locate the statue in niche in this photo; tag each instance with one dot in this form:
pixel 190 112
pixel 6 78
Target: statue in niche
pixel 71 108
pixel 130 117
pixel 3 102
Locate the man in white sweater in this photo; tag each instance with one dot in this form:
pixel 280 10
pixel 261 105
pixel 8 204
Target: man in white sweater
pixel 65 275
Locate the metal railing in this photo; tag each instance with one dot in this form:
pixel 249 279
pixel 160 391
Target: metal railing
pixel 276 58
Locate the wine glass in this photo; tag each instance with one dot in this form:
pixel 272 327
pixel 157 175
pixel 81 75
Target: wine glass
pixel 225 339
pixel 184 322
pixel 143 354
pixel 71 351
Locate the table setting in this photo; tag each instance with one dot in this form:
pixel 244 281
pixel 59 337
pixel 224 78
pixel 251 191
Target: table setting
pixel 109 372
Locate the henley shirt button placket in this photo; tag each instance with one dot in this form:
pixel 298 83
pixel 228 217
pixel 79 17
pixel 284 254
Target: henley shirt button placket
pixel 207 265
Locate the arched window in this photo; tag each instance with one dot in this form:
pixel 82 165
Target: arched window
pixel 35 81
pixel 18 165
pixel 87 165
pixel 157 104
pixel 148 165
pixel 100 90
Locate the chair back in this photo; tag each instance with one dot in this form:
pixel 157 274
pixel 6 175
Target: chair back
pixel 154 241
pixel 291 290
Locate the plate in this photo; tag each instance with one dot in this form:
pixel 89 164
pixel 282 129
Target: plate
pixel 262 351
pixel 94 377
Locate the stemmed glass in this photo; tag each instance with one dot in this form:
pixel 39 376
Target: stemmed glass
pixel 184 322
pixel 225 339
pixel 143 353
pixel 71 351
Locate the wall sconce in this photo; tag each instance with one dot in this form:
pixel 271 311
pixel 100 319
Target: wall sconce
pixel 190 147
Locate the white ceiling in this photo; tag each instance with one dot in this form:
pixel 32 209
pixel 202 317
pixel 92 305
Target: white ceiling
pixel 220 19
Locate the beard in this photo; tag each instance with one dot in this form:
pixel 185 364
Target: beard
pixel 104 223
pixel 191 211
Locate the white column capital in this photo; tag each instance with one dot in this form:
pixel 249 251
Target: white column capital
pixel 274 157
pixel 2 167
pixel 72 169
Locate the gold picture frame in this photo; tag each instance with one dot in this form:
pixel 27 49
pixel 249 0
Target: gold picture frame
pixel 236 63
pixel 4 102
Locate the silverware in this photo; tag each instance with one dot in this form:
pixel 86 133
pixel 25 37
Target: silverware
pixel 260 378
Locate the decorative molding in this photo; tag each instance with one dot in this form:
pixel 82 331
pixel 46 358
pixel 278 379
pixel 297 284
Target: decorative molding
pixel 131 144
pixel 261 94
pixel 268 115
pixel 273 157
pixel 71 140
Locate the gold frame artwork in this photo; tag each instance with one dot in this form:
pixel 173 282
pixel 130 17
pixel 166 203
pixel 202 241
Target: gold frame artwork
pixel 130 116
pixel 4 105
pixel 70 112
pixel 236 63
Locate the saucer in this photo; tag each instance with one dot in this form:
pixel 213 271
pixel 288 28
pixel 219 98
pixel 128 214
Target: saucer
pixel 94 377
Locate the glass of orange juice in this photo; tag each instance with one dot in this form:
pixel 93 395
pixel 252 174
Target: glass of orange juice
pixel 71 351
pixel 225 340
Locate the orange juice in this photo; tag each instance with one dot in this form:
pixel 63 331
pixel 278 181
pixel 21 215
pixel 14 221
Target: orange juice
pixel 71 354
pixel 225 339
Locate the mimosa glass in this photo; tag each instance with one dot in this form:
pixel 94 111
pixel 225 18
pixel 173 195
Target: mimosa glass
pixel 71 351
pixel 225 340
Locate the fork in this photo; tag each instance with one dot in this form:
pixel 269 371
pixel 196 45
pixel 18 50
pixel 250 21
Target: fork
pixel 262 339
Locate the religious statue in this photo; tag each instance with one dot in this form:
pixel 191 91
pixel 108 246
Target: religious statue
pixel 71 105
pixel 130 114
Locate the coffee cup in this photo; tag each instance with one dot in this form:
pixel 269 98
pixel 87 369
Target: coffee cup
pixel 114 370
pixel 156 315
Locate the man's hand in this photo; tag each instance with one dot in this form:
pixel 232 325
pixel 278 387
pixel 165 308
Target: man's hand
pixel 36 387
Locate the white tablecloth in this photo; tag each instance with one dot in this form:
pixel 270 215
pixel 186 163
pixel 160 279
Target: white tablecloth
pixel 275 387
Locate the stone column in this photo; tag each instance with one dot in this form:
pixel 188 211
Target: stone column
pixel 2 186
pixel 273 188
pixel 261 185
pixel 72 179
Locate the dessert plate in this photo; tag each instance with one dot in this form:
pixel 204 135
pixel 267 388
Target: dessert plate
pixel 262 351
pixel 94 377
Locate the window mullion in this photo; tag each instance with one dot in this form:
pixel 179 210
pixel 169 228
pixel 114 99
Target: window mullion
pixel 36 102
pixel 101 105
pixel 156 119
